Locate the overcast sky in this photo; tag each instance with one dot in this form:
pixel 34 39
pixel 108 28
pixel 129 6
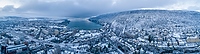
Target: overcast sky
pixel 91 7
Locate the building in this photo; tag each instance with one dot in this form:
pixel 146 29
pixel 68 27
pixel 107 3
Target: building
pixel 193 39
pixel 13 49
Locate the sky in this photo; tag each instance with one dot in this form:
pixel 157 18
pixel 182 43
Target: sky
pixel 90 7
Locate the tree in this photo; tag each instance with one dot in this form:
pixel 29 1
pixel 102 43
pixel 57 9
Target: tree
pixel 150 38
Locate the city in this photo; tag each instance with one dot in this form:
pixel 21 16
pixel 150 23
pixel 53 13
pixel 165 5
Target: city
pixel 45 36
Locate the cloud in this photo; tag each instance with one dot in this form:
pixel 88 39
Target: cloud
pixel 93 7
pixel 191 5
pixel 9 2
pixel 65 7
pixel 8 8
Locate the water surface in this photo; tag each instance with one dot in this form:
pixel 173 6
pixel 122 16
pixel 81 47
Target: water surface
pixel 83 24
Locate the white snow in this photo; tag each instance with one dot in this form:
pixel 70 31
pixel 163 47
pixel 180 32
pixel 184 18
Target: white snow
pixel 177 35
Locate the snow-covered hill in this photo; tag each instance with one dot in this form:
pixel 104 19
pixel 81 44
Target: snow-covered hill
pixel 145 19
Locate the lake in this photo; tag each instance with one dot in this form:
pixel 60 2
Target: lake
pixel 83 24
